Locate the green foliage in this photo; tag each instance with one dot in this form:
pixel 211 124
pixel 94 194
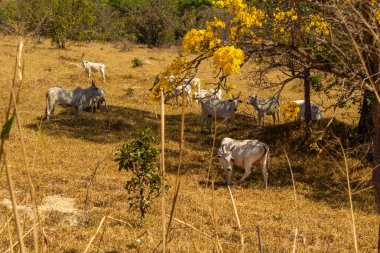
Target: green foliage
pixel 139 157
pixel 7 128
pixel 316 82
pixel 186 5
pixel 136 62
pixel 155 23
pixel 70 19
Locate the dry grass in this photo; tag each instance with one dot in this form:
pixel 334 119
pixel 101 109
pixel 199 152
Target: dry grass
pixel 68 152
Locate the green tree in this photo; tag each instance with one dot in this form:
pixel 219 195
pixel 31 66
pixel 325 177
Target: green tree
pixel 70 19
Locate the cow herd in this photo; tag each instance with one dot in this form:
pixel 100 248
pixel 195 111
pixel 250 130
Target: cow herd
pixel 231 153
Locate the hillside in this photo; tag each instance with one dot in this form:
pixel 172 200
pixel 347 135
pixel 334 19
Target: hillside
pixel 64 155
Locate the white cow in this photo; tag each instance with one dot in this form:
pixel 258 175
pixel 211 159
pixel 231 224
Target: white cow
pixel 219 109
pixel 88 67
pixel 263 107
pixel 316 113
pixel 243 153
pixel 79 98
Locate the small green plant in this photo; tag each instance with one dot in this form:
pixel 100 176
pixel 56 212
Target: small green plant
pixel 139 157
pixel 136 62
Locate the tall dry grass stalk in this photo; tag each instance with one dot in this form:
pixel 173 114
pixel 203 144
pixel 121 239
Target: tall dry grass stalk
pixel 237 219
pixel 295 203
pixel 163 216
pixel 12 99
pixel 349 197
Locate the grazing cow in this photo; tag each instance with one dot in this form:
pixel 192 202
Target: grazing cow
pixel 201 94
pixel 185 87
pixel 219 109
pixel 264 107
pixel 316 113
pixel 79 98
pixel 243 153
pixel 88 67
pixel 97 101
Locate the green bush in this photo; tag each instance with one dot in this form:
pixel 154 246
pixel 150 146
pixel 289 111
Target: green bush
pixel 136 62
pixel 139 158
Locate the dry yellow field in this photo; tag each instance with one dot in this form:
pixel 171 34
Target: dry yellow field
pixel 65 153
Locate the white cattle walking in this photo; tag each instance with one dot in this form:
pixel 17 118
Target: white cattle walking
pixel 88 67
pixel 243 153
pixel 263 107
pixel 316 113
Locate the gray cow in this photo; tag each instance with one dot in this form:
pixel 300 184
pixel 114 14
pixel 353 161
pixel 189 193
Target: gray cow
pixel 243 153
pixel 219 109
pixel 316 113
pixel 263 107
pixel 79 98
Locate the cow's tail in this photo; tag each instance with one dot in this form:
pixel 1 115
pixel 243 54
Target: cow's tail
pixel 266 164
pixel 47 105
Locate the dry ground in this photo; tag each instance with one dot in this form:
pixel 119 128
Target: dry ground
pixel 65 154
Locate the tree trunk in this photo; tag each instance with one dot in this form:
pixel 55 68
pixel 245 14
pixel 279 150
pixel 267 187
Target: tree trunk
pixel 307 96
pixel 365 124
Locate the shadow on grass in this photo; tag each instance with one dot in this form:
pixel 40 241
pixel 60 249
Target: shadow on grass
pixel 315 173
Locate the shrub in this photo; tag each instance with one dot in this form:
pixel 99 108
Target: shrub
pixel 139 158
pixel 136 62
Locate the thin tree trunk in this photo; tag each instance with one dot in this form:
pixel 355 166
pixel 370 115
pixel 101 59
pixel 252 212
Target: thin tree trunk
pixel 365 124
pixel 307 96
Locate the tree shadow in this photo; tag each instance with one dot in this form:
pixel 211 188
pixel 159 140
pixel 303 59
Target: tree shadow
pixel 309 166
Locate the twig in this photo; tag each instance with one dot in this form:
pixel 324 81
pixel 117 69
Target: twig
pixel 192 227
pixel 93 237
pixel 163 172
pixel 259 238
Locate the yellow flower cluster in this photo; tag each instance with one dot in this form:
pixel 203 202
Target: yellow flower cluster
pixel 281 18
pixel 196 41
pixel 318 24
pixel 289 110
pixel 232 5
pixel 250 17
pixel 377 17
pixel 229 58
pixel 215 23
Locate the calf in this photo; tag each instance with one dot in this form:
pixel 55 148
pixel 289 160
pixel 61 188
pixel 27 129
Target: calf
pixel 243 153
pixel 78 98
pixel 88 67
pixel 264 107
pixel 97 101
pixel 219 109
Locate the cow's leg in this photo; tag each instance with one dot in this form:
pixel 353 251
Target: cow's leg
pixel 202 121
pixel 209 123
pixel 247 172
pixel 103 75
pixel 89 73
pixel 228 174
pixel 264 171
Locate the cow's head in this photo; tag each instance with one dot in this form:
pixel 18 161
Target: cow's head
pixel 234 101
pixel 84 63
pixel 251 99
pixel 226 161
